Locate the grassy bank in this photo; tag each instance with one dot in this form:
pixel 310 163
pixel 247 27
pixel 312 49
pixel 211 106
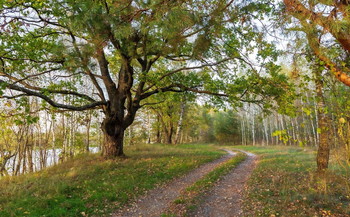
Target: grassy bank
pixel 92 186
pixel 191 197
pixel 285 184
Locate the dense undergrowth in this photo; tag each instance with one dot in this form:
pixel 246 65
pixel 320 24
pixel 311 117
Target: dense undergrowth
pixel 92 186
pixel 285 184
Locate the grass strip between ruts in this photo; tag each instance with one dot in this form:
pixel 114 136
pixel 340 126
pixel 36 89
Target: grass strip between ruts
pixel 191 197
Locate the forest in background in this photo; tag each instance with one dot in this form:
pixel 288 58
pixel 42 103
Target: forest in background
pixel 33 135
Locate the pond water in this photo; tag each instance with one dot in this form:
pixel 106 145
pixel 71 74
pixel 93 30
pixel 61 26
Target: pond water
pixel 52 157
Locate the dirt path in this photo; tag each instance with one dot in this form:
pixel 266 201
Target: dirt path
pixel 225 198
pixel 156 201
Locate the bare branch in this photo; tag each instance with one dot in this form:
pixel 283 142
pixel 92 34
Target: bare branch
pixel 13 97
pixel 195 90
pixel 34 75
pixel 186 69
pixel 28 92
pixel 31 87
pixel 103 63
pixel 33 60
pixel 158 90
pixel 181 88
pixel 153 103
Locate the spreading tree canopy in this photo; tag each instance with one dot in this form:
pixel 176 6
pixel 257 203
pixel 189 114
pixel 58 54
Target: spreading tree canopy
pixel 113 55
pixel 326 22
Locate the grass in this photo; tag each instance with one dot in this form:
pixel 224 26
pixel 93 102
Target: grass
pixel 191 197
pixel 92 186
pixel 285 184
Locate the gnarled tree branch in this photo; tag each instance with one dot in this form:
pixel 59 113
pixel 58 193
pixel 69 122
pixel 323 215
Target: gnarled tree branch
pixel 28 92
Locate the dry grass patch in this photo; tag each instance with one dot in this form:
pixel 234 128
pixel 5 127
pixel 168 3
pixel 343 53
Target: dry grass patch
pixel 285 184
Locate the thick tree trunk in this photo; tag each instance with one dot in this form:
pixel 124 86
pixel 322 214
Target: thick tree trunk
pixel 122 106
pixel 113 146
pixel 113 138
pixel 117 119
pixel 323 146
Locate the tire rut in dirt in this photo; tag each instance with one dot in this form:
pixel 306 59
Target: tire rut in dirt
pixel 156 201
pixel 225 198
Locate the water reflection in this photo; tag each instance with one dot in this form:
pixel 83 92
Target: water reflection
pixel 41 159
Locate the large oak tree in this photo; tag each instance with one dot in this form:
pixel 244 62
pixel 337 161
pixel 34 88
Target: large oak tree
pixel 113 55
